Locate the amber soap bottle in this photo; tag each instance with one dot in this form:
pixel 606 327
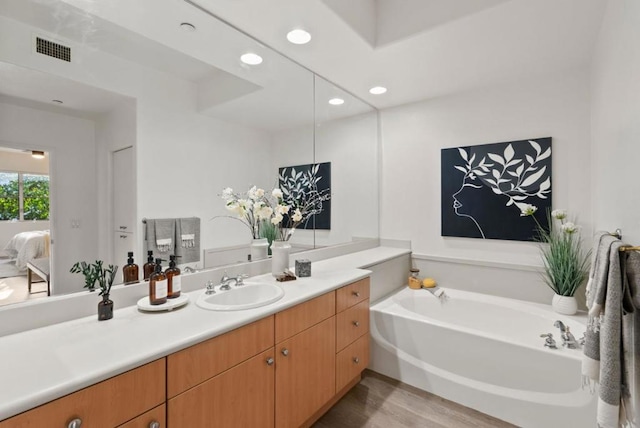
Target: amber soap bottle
pixel 130 271
pixel 158 285
pixel 149 267
pixel 174 280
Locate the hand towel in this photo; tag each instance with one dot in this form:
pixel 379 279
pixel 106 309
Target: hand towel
pixel 188 233
pixel 604 356
pixel 160 236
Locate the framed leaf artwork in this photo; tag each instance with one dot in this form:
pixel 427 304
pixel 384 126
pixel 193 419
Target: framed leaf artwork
pixel 486 187
pixel 308 186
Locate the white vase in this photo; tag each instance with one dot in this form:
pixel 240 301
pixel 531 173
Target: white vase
pixel 259 249
pixel 280 251
pixel 565 305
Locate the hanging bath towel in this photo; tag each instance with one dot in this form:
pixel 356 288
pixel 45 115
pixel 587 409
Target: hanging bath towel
pixel 160 236
pixel 188 235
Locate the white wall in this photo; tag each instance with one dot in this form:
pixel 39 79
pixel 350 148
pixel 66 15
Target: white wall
pixel 615 125
pixel 351 145
pixel 71 145
pixel 412 136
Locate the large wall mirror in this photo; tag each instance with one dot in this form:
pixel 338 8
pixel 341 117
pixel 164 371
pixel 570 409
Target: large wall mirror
pixel 145 110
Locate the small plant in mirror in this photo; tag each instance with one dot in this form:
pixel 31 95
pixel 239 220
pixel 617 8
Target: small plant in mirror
pixel 89 272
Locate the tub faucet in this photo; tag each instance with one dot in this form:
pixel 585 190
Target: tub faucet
pixel 549 342
pixel 568 340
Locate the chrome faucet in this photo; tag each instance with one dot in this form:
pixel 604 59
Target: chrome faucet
pixel 189 269
pixel 211 288
pixel 225 281
pixel 549 342
pixel 568 340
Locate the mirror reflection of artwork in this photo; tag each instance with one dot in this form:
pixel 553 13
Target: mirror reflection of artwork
pixel 308 185
pixel 486 187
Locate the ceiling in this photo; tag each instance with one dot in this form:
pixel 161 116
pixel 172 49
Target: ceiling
pixel 422 49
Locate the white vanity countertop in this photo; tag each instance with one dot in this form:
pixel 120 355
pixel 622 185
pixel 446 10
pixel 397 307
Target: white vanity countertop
pixel 40 365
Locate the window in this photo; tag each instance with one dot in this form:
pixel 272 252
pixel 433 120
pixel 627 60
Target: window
pixel 24 196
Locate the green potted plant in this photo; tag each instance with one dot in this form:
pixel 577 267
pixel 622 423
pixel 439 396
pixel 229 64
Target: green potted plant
pixel 104 276
pixel 566 263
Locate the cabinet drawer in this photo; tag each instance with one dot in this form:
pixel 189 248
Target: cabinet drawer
pixel 149 419
pixel 194 365
pixel 300 317
pixel 352 294
pixel 240 397
pixel 105 404
pixel 351 324
pixel 351 361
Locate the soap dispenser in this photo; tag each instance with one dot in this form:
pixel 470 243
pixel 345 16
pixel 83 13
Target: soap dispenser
pixel 174 280
pixel 158 285
pixel 130 271
pixel 149 266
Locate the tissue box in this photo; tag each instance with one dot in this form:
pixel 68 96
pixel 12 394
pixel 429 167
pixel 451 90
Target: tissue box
pixel 303 268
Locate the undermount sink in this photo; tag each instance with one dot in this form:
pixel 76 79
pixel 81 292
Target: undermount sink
pixel 248 296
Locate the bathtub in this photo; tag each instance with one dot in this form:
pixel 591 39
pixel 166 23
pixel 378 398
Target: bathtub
pixel 484 352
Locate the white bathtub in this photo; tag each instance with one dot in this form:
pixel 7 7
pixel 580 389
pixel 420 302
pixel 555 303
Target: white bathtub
pixel 484 352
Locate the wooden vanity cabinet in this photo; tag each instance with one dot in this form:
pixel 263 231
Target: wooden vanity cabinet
pixel 109 403
pixel 305 361
pixel 282 371
pixel 352 338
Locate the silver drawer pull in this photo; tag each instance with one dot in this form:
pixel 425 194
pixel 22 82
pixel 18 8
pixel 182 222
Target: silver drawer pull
pixel 270 361
pixel 285 352
pixel 123 236
pixel 123 228
pixel 356 360
pixel 356 323
pixel 76 423
pixel 154 424
pixel 356 293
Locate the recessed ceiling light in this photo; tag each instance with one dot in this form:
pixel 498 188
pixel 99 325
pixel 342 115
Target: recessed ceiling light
pixel 251 58
pixel 336 101
pixel 188 27
pixel 57 101
pixel 377 90
pixel 298 37
pixel 37 154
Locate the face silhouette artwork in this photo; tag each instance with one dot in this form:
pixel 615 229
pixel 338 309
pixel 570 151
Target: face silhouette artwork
pixel 485 189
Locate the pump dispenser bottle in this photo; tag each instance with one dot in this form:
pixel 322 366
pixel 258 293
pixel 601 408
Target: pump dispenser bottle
pixel 130 271
pixel 149 267
pixel 174 280
pixel 158 285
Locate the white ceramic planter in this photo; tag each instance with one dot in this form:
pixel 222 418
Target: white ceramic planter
pixel 259 249
pixel 280 251
pixel 565 305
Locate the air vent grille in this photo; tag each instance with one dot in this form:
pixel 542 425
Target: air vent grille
pixel 52 49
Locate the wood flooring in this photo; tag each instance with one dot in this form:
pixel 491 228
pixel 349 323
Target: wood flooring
pixel 381 402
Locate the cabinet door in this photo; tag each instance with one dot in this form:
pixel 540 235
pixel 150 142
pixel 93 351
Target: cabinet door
pixel 124 197
pixel 305 373
pixel 239 397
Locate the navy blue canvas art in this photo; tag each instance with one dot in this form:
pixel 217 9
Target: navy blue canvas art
pixel 310 186
pixel 485 188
